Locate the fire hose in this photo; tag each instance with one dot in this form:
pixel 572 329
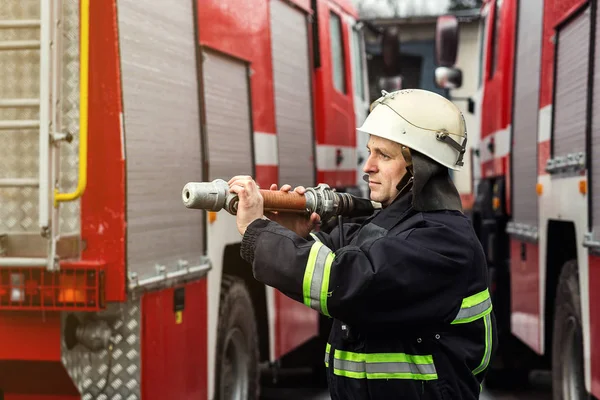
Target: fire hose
pixel 323 200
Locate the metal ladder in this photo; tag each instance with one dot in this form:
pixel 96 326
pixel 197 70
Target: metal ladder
pixel 49 103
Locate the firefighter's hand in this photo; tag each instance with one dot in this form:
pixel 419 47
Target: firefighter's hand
pixel 250 206
pixel 300 224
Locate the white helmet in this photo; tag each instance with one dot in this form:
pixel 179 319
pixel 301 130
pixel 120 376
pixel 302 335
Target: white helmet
pixel 420 120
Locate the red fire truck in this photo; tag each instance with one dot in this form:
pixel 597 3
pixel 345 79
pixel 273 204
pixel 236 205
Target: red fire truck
pixel 109 287
pixel 537 204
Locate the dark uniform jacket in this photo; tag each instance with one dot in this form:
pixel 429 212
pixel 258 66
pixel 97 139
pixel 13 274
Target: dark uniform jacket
pixel 408 294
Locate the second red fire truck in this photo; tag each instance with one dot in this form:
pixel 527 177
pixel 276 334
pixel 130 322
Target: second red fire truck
pixel 537 193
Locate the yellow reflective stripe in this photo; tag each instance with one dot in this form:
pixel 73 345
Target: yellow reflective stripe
pixel 474 307
pixel 315 285
pixel 315 237
pixel 488 345
pixel 383 357
pixel 350 374
pixel 383 366
pixel 399 357
pixel 349 356
pixel 327 350
pixel 475 299
pixel 308 272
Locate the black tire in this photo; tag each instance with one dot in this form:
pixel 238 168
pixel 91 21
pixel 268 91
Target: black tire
pixel 237 357
pixel 567 343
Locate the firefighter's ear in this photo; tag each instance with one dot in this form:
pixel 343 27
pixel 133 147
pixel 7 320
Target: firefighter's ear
pixel 408 159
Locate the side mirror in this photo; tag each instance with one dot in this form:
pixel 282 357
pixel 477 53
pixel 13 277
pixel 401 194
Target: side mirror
pixel 471 106
pixel 448 78
pixel 446 40
pixel 390 50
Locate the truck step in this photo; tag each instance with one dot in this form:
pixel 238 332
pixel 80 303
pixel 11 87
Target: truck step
pixel 31 249
pixel 23 262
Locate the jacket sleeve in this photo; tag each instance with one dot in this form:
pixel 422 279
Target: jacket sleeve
pixel 332 239
pixel 394 279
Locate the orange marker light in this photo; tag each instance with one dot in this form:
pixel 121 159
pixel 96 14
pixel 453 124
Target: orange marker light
pixel 72 289
pixel 583 186
pixel 496 203
pixel 539 189
pixel 212 216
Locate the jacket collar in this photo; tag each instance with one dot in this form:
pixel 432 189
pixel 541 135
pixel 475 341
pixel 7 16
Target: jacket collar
pixel 399 210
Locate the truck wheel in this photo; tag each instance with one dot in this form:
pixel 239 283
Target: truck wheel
pixel 237 372
pixel 567 344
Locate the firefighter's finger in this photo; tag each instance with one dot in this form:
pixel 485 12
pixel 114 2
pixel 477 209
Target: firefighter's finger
pixel 315 218
pixel 300 189
pixel 286 188
pixel 237 189
pixel 243 182
pixel 239 178
pixel 274 186
pixel 251 185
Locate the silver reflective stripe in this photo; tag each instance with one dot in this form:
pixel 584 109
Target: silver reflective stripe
pixel 466 313
pixel 315 284
pixel 380 368
pixel 384 367
pixel 317 278
pixel 352 366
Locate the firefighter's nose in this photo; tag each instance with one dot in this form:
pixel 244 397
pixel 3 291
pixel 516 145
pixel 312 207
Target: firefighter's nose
pixel 370 166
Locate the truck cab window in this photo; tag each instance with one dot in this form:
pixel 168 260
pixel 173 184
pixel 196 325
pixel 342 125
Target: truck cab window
pixel 337 52
pixel 357 64
pixel 496 28
pixel 482 36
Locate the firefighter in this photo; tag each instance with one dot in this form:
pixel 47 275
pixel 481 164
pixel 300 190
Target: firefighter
pixel 408 288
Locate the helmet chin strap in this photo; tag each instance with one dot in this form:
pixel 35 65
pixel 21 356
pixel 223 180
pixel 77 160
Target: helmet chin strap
pixel 406 183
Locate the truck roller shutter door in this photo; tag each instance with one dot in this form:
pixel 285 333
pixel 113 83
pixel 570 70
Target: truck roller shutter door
pixel 595 169
pixel 526 111
pixel 162 133
pixel 571 86
pixel 228 123
pixel 293 102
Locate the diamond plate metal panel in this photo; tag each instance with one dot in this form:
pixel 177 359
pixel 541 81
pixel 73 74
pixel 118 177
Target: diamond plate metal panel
pixel 19 154
pixel 110 375
pixel 19 149
pixel 69 152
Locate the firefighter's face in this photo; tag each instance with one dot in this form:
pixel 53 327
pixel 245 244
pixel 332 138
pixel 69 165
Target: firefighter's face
pixel 386 167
